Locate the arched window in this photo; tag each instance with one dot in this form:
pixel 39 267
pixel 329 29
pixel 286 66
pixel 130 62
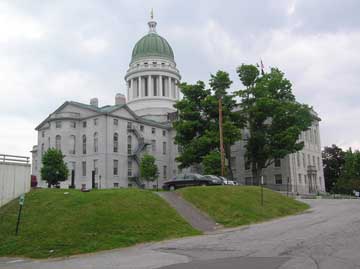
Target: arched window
pixel 96 142
pixel 58 142
pixel 72 149
pixel 84 144
pixel 129 144
pixel 116 142
pixel 42 149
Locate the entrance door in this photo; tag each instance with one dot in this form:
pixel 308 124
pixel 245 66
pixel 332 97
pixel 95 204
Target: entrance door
pixel 93 179
pixel 72 179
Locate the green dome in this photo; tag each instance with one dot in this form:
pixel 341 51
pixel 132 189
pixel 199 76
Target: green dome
pixel 152 45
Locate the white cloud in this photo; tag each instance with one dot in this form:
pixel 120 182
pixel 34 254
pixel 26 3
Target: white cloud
pixel 15 26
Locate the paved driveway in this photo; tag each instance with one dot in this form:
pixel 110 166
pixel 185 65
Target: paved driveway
pixel 326 237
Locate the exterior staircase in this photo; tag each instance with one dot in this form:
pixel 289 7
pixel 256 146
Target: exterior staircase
pixel 136 155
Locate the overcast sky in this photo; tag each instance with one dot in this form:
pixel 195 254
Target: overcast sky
pixel 53 51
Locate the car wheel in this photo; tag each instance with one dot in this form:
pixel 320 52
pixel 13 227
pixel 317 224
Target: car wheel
pixel 172 188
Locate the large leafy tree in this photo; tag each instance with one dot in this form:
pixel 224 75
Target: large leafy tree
pixel 148 168
pixel 274 118
pixel 197 127
pixel 53 168
pixel 333 160
pixel 349 179
pixel 212 163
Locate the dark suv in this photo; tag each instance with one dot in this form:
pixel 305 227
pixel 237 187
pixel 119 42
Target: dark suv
pixel 187 180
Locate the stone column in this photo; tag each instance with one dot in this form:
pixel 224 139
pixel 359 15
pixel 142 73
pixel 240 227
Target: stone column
pixel 169 87
pixel 151 91
pixel 140 88
pixel 132 88
pixel 160 86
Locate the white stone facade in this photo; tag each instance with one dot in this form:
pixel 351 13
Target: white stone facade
pixel 300 172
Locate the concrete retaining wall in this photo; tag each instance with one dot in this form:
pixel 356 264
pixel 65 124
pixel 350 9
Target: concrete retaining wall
pixel 14 180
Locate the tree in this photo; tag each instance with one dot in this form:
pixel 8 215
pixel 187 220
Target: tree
pixel 197 127
pixel 53 168
pixel 333 160
pixel 274 118
pixel 148 168
pixel 212 163
pixel 349 179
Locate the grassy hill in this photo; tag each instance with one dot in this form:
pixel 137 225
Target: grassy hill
pixel 235 206
pixel 56 224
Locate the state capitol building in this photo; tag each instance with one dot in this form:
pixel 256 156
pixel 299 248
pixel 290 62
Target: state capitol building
pixel 103 145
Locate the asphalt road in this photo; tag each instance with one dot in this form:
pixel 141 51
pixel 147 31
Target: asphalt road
pixel 326 237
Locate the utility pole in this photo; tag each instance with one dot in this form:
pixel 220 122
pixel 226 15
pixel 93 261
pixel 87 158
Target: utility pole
pixel 221 138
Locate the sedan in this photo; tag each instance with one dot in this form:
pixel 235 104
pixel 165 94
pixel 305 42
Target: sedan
pixel 187 180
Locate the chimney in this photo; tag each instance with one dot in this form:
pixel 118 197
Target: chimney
pixel 94 102
pixel 120 99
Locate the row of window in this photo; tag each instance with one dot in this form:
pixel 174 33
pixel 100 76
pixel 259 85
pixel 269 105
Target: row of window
pixel 310 160
pixel 72 141
pixel 247 164
pixel 58 125
pixel 115 168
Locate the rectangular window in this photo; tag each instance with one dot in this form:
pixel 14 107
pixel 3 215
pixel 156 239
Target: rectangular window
pixel 153 130
pixel 73 124
pixel 164 133
pixel 116 122
pixel 141 128
pixel 116 167
pixel 318 163
pixel 313 157
pixel 43 134
pixel 95 122
pixel 165 172
pixel 278 179
pixel 164 148
pixel 58 124
pixel 305 179
pixel 84 124
pixel 247 164
pixel 129 168
pixel 129 125
pixel 277 162
pixel 299 178
pixel 304 160
pixel 309 160
pixel 153 145
pixel 116 185
pixel 298 158
pixel 83 166
pixel 96 169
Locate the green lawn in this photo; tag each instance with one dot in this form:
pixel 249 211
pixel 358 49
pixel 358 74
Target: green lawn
pixel 54 224
pixel 240 205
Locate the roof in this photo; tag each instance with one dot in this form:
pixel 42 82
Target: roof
pixel 152 45
pixel 105 110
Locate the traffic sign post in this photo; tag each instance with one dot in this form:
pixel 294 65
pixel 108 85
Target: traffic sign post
pixel 21 203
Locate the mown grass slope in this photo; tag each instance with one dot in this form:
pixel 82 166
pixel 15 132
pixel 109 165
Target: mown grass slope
pixel 56 224
pixel 240 205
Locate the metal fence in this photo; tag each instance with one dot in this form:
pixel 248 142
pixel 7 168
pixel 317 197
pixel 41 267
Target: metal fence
pixel 5 158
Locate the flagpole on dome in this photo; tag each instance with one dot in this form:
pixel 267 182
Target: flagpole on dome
pixel 152 23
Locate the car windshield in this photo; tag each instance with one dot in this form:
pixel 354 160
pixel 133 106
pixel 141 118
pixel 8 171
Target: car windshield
pixel 212 177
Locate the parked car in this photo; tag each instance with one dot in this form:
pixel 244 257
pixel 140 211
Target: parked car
pixel 226 181
pixel 187 180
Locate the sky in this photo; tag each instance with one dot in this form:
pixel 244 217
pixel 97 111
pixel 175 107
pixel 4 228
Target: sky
pixel 62 50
